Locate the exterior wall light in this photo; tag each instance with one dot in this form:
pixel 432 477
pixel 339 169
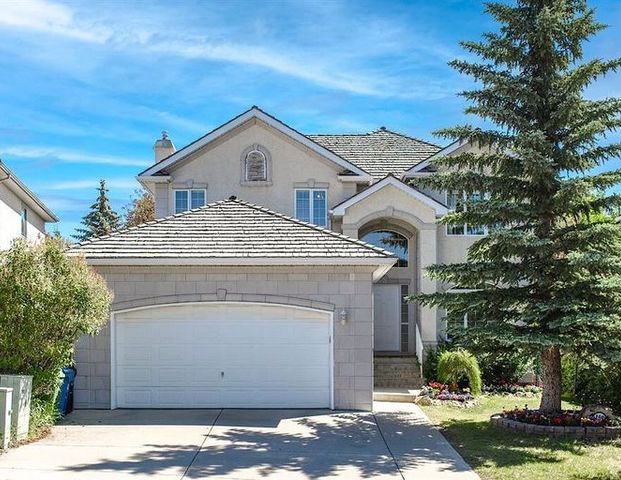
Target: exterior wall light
pixel 343 317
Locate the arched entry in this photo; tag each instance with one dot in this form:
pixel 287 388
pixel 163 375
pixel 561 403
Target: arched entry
pixel 393 315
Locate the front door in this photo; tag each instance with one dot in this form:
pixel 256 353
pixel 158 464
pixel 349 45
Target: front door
pixel 387 317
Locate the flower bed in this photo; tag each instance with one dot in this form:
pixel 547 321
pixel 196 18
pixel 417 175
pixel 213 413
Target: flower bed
pixel 568 423
pixel 436 393
pixel 512 389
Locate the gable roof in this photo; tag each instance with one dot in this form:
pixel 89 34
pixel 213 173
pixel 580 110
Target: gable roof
pixel 25 194
pixel 380 152
pixel 230 232
pixel 439 208
pixel 252 113
pixel 448 150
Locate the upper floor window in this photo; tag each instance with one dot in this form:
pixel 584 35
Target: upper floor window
pixel 188 199
pixel 457 201
pixel 392 241
pixel 24 218
pixel 255 166
pixel 311 205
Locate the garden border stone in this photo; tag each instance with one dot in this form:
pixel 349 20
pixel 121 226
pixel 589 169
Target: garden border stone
pixel 589 433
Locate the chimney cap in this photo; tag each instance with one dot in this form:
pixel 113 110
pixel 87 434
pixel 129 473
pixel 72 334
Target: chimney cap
pixel 164 142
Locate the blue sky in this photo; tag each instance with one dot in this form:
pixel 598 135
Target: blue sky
pixel 86 87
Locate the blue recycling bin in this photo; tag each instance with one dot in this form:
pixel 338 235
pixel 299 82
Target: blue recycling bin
pixel 65 396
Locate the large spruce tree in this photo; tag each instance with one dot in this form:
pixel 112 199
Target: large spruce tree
pixel 547 278
pixel 101 219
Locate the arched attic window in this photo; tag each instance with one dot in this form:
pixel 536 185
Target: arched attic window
pixel 255 166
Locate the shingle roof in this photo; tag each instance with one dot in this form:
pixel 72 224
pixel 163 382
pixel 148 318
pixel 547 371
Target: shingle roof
pixel 380 152
pixel 228 229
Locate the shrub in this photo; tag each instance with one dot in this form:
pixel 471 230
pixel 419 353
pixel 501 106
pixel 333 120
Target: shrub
pixel 453 366
pixel 589 380
pixel 47 301
pixel 498 368
pixel 430 365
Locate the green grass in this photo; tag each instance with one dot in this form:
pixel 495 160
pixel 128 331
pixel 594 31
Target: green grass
pixel 498 454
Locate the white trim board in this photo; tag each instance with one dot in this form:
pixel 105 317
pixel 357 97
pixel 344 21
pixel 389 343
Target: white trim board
pixel 253 113
pixel 449 149
pixel 439 209
pixel 383 264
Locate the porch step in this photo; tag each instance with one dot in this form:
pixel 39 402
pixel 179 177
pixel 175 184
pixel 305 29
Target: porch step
pixel 399 372
pixel 394 395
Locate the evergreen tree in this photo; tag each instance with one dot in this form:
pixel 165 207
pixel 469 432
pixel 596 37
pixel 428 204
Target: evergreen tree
pixel 101 220
pixel 140 210
pixel 547 278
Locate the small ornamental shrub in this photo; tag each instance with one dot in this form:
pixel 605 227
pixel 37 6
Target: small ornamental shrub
pixel 457 365
pixel 430 365
pixel 47 301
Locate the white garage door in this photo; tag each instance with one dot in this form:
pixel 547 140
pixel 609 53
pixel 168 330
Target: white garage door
pixel 222 355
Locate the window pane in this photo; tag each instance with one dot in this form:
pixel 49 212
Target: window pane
pixel 319 208
pixel 302 205
pixel 454 229
pixel 452 199
pixel 24 222
pixel 476 230
pixel 391 241
pixel 198 198
pixel 181 201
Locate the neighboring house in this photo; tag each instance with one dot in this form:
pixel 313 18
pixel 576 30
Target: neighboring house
pixel 281 292
pixel 22 213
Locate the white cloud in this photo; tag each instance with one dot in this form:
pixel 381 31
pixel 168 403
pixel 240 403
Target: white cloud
pixel 70 156
pixel 48 17
pixel 338 61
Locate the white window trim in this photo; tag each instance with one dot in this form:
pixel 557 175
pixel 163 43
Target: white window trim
pixel 189 204
pixel 311 190
pixel 465 225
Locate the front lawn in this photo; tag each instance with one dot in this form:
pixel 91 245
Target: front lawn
pixel 497 454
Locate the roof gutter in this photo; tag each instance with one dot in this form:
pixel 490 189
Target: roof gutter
pixel 44 212
pixel 383 264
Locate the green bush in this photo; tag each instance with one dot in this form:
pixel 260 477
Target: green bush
pixel 47 301
pixel 455 365
pixel 430 365
pixel 590 380
pixel 498 368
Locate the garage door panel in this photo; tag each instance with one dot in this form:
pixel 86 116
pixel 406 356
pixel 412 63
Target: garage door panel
pixel 276 377
pixel 274 398
pixel 214 355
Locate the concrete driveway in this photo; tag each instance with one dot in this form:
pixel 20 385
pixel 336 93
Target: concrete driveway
pixel 395 442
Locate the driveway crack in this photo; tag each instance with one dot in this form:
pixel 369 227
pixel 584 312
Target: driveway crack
pixel 394 459
pixel 185 472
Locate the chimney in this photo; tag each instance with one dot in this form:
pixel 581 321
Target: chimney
pixel 164 147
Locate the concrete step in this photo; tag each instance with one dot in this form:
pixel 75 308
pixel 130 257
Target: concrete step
pixel 398 372
pixel 394 395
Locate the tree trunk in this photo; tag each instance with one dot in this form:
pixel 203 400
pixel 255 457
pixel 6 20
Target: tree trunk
pixel 551 396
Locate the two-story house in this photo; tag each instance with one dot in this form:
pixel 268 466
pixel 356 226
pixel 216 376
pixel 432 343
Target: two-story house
pixel 275 273
pixel 22 213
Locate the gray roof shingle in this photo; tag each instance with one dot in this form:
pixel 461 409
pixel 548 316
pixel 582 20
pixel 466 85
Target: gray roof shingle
pixel 380 152
pixel 228 229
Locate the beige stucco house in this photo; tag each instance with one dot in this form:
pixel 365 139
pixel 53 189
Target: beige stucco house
pixel 275 274
pixel 22 213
